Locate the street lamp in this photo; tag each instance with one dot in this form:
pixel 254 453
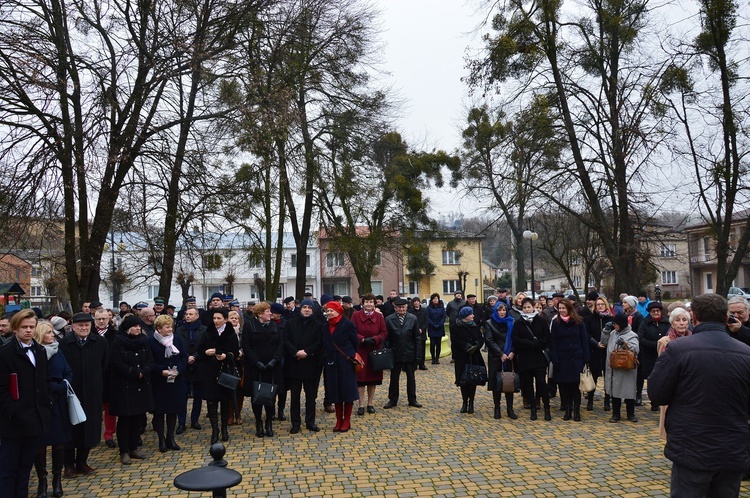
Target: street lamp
pixel 532 236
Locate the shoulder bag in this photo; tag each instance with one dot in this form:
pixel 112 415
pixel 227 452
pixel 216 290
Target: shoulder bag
pixel 264 393
pixel 623 359
pixel 75 410
pixel 545 351
pixel 231 379
pixel 357 361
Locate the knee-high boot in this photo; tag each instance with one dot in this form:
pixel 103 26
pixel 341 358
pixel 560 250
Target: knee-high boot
pixel 40 464
pixel 616 404
pixel 171 423
pixel 158 423
pixel 630 410
pixel 509 406
pixel 58 455
pixel 339 417
pixel 472 392
pixel 258 412
pixel 607 405
pixel 269 421
pixel 465 398
pixel 590 401
pixel 346 423
pixel 213 417
pixel 496 398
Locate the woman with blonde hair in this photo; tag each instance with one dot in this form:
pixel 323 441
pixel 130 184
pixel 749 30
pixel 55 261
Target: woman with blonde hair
pixel 236 418
pixel 595 322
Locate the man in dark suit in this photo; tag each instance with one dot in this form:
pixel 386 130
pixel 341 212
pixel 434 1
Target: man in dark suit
pixel 25 404
pixel 404 338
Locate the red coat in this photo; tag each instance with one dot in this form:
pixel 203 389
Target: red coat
pixel 369 326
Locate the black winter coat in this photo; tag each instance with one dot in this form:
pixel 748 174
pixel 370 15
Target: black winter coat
pixel 262 343
pixel 29 415
pixel 208 366
pixel 569 348
pixel 110 336
pixel 88 362
pixel 190 343
pixel 705 380
pixel 404 339
pixel 529 340
pixel 649 334
pixel 59 428
pixel 594 325
pixel 452 309
pixel 465 334
pixel 303 334
pixel 131 362
pixel 495 335
pixel 168 396
pixel 340 376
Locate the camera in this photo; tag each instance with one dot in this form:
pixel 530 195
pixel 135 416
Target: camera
pixel 732 319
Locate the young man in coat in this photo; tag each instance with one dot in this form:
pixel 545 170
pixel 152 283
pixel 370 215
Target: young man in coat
pixel 705 380
pixel 25 404
pixel 405 338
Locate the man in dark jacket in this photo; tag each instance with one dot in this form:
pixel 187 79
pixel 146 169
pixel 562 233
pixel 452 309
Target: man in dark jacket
pixel 303 364
pixel 25 404
pixel 738 322
pixel 189 333
pixel 404 338
pixel 454 306
pixel 86 354
pixel 417 310
pixel 705 380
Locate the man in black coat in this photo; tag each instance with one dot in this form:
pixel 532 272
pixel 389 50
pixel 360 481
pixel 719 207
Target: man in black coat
pixel 86 354
pixel 404 338
pixel 303 364
pixel 108 331
pixel 189 333
pixel 705 380
pixel 454 306
pixel 25 404
pixel 417 310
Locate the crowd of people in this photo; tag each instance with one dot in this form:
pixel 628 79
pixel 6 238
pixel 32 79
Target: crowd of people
pixel 165 362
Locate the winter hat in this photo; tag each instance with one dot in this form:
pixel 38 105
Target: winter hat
pixel 621 319
pixel 592 296
pixel 288 300
pixel 654 304
pixel 335 306
pixel 58 323
pixel 631 300
pixel 465 311
pixel 277 308
pixel 306 302
pixel 82 317
pixel 325 299
pixel 129 322
pixel 217 294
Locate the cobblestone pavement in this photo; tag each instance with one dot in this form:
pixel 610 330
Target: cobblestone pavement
pixel 432 451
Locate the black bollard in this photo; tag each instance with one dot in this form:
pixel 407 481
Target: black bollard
pixel 215 477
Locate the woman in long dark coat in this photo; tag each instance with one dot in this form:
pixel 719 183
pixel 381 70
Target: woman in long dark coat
pixel 340 343
pixel 530 339
pixel 217 348
pixel 466 341
pixel 59 429
pixel 131 398
pixel 370 326
pixel 654 327
pixel 170 365
pixel 569 348
pixel 435 326
pixel 498 336
pixel 263 347
pixel 594 323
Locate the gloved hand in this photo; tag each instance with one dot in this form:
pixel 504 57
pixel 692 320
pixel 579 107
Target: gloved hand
pixel 620 342
pixel 468 348
pixel 260 365
pixel 473 349
pixel 368 341
pixel 608 327
pixel 271 363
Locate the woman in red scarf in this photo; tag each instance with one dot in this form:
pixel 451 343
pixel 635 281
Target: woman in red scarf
pixel 340 342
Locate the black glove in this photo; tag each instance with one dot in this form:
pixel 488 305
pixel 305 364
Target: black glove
pixel 607 327
pixel 468 348
pixel 369 341
pixel 473 349
pixel 260 366
pixel 271 363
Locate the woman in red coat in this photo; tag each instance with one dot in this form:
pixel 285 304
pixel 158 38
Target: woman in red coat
pixel 370 326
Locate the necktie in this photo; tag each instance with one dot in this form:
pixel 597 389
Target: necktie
pixel 400 319
pixel 27 350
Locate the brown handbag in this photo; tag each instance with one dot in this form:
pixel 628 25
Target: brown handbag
pixel 623 359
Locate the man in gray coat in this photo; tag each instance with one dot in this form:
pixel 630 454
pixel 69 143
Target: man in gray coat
pixel 705 380
pixel 404 338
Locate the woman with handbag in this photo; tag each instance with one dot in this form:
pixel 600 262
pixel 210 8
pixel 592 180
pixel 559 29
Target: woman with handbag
pixel 466 341
pixel 370 326
pixel 340 343
pixel 501 356
pixel 621 383
pixel 263 348
pixel 530 339
pixel 569 351
pixel 58 432
pixel 216 350
pixel 170 365
pixel 435 326
pixel 595 322
pixel 130 398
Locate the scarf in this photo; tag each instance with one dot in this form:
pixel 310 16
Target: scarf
pixel 192 328
pixel 508 321
pixel 529 317
pixel 51 349
pixel 673 334
pixel 168 342
pixel 332 322
pixel 565 319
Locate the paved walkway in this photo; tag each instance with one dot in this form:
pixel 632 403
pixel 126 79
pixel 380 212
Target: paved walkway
pixel 433 451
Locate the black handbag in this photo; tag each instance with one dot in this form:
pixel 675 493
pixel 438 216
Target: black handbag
pixel 381 359
pixel 231 379
pixel 264 393
pixel 474 375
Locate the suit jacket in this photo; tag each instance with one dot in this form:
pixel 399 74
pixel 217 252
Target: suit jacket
pixel 29 415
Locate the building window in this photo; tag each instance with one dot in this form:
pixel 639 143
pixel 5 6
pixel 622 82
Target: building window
pixel 332 288
pixel 706 249
pixel 577 282
pixel 413 288
pixel 668 277
pixel 451 257
pixel 668 250
pixel 36 271
pixel 294 261
pixel 334 259
pixel 153 291
pixel 212 261
pixel 451 286
pixel 37 290
pixel 377 287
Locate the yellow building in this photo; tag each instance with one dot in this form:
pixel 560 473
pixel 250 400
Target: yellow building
pixel 458 266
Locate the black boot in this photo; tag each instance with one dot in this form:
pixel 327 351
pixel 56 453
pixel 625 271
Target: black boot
pixel 533 411
pixel 224 430
pixel 40 463
pixel 171 443
pixel 58 455
pixel 259 432
pixel 41 490
pixel 465 406
pixel 590 401
pixel 158 424
pixel 470 408
pixel 577 413
pixel 213 417
pixel 607 406
pixel 465 397
pixel 547 414
pixel 509 403
pixel 568 413
pixel 616 403
pixel 269 426
pixel 498 412
pixel 496 399
pixel 630 410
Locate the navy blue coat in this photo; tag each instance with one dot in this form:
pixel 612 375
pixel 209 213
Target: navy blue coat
pixel 59 428
pixel 167 395
pixel 340 376
pixel 435 320
pixel 569 348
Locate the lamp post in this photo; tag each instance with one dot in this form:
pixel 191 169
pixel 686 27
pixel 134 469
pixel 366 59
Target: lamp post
pixel 532 236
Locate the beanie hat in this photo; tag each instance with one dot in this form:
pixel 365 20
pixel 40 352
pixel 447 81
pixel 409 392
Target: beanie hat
pixel 621 319
pixel 336 306
pixel 306 302
pixel 465 311
pixel 631 300
pixel 129 322
pixel 277 308
pixel 325 298
pixel 58 323
pixel 217 294
pixel 592 296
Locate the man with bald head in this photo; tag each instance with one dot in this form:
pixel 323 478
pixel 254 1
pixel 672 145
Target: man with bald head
pixel 148 316
pixel 189 331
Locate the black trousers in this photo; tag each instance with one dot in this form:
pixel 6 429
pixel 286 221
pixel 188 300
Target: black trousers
pixel 17 457
pixel 411 382
pixel 310 387
pixel 538 378
pixel 570 394
pixel 128 430
pixel 76 457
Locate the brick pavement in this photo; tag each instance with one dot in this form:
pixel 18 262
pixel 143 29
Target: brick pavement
pixel 433 451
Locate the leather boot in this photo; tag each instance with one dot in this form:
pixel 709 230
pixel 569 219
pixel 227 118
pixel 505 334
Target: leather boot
pixel 225 431
pixel 41 490
pixel 568 413
pixel 498 413
pixel 259 432
pixel 509 404
pixel 470 408
pixel 533 412
pixel 607 405
pixel 465 406
pixel 58 455
pixel 577 413
pixel 40 463
pixel 269 426
pixel 496 398
pixel 162 444
pixel 339 416
pixel 346 424
pixel 547 414
pixel 213 417
pixel 590 401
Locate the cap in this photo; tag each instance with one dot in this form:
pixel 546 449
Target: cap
pixel 158 300
pixel 190 299
pixel 470 295
pixel 234 303
pixel 82 317
pixel 400 302
pixel 277 308
pixel 592 296
pixel 654 305
pixel 288 300
pixel 95 304
pixel 558 294
pixel 347 299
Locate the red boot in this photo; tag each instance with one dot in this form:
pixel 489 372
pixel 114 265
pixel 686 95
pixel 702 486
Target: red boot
pixel 347 416
pixel 339 416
